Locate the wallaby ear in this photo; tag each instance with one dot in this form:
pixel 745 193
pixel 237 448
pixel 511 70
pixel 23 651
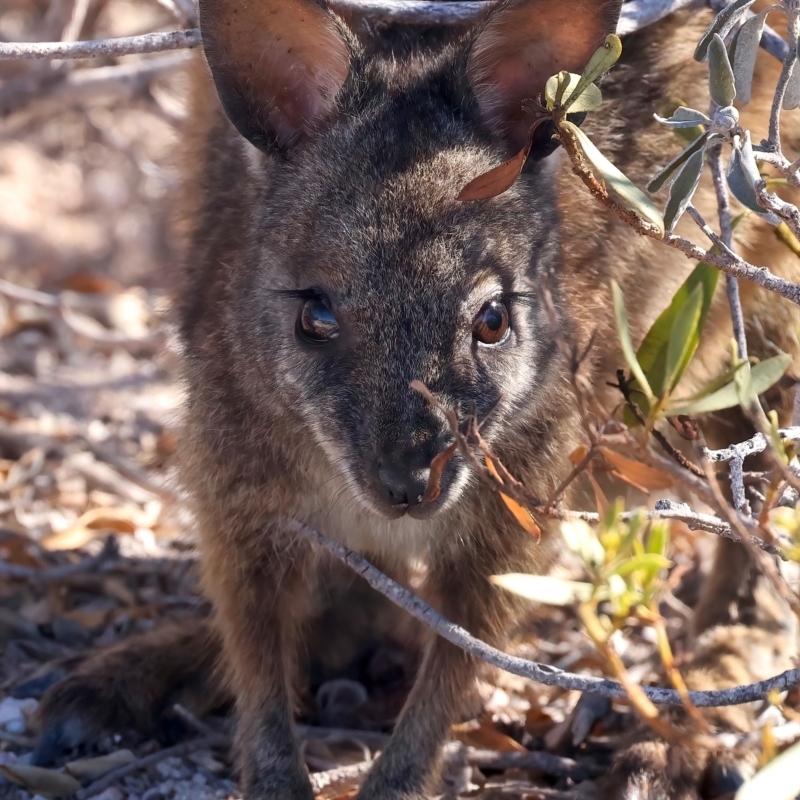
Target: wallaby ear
pixel 277 65
pixel 522 43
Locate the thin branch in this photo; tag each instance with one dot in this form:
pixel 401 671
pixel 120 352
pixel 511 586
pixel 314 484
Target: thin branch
pixel 541 673
pixel 123 46
pixel 177 751
pixel 726 229
pixel 55 574
pixel 727 261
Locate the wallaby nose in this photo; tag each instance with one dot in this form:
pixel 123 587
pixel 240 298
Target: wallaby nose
pixel 401 481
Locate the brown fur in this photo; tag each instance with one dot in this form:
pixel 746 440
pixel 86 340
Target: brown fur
pixel 361 202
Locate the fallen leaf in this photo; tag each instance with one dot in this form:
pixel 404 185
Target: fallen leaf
pixel 47 782
pixel 486 737
pixel 87 527
pixel 92 768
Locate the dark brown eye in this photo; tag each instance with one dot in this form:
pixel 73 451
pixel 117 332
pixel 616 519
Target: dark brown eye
pixel 317 323
pixel 491 324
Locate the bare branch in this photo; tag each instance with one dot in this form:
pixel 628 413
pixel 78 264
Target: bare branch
pixel 541 673
pixel 123 46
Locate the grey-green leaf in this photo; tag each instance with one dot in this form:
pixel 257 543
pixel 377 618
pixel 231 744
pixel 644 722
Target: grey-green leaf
pixel 720 73
pixel 742 173
pixel 683 189
pixel 684 117
pixel 618 185
pixel 791 98
pixel 744 57
pixel 762 377
pixel 664 174
pixel 722 25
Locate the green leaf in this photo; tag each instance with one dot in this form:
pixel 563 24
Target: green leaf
pixel 617 184
pixel 601 61
pixel 748 40
pixel 721 83
pixel 648 561
pixel 791 97
pixel 762 376
pixel 544 588
pixel 683 338
pixel 658 540
pixel 778 780
pixel 652 354
pixel 664 174
pixel 589 100
pixel 722 25
pixel 625 341
pixel 684 117
pixel 683 189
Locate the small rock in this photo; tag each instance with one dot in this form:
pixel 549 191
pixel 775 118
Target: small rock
pixel 112 793
pixel 14 714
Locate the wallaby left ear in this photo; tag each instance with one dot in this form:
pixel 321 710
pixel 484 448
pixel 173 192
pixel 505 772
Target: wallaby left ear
pixel 522 43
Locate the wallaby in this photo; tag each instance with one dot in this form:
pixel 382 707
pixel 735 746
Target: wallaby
pixel 329 265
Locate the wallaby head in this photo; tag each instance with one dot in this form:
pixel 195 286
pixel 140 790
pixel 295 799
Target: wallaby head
pixel 360 271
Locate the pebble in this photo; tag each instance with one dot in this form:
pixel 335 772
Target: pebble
pixel 14 714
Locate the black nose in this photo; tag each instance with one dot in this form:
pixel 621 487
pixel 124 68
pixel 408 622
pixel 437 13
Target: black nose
pixel 402 479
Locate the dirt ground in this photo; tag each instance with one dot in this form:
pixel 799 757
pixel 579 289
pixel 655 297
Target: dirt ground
pixel 96 544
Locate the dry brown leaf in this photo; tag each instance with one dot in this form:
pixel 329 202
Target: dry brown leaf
pixel 116 588
pixel 47 782
pixel 641 476
pixel 93 768
pixel 686 426
pixel 18 549
pixel 90 524
pixel 89 618
pixel 521 514
pixel 87 283
pixel 485 737
pixel 501 178
pixel 578 454
pixel 440 461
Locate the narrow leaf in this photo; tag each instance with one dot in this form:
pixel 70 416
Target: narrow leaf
pixel 544 588
pixel 642 476
pixel 439 462
pixel 498 179
pixel 652 353
pixel 683 189
pixel 617 184
pixel 47 782
pixel 521 514
pixel 762 376
pixel 92 768
pixel 624 334
pixel 744 57
pixel 649 561
pixel 664 174
pixel 684 117
pixel 722 25
pixel 791 97
pixel 683 338
pixel 720 73
pixel 601 61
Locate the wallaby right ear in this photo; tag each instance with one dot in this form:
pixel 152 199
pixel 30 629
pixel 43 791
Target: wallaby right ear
pixel 521 43
pixel 277 65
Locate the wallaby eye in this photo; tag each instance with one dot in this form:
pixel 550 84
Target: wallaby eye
pixel 491 324
pixel 317 323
